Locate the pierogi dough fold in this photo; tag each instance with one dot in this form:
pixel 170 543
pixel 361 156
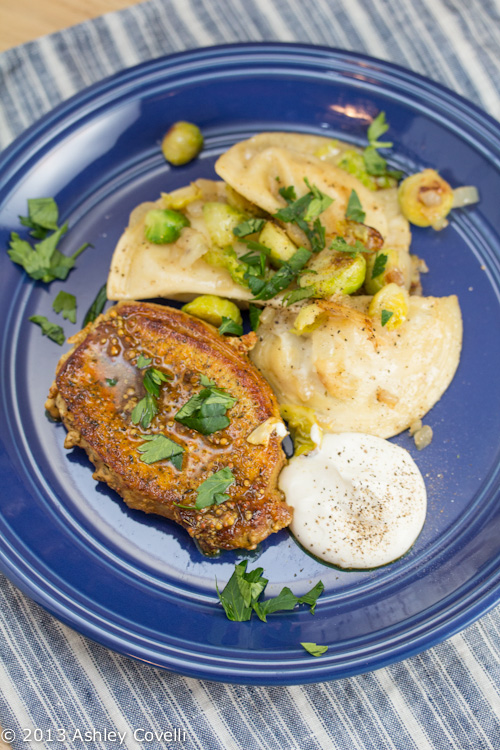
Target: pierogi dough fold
pixel 144 270
pixel 258 167
pixel 141 269
pixel 355 374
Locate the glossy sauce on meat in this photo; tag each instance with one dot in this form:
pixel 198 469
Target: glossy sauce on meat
pixel 98 384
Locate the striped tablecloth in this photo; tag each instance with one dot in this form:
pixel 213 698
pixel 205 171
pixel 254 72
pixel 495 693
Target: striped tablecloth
pixel 76 693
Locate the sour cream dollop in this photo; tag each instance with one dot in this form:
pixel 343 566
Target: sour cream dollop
pixel 359 501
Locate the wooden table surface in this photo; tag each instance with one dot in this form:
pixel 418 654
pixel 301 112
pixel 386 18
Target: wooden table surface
pixel 23 20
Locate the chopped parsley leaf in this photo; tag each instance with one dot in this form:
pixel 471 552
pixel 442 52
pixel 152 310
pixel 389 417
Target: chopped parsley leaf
pixel 283 277
pixel 296 295
pixel 288 193
pixel 111 382
pixel 143 361
pixel 302 211
pixel 341 246
pixel 43 215
pixel 375 164
pixel 206 381
pixel 241 591
pixel 153 379
pixel 255 284
pixel 161 448
pixel 354 210
pixel 385 316
pixel 284 602
pixel 65 303
pixel 295 211
pixel 257 257
pixel 42 261
pixel 314 649
pixel 254 313
pixel 257 247
pixel 205 412
pixel 212 490
pixel 379 265
pixel 240 596
pixel 317 236
pixel 51 330
pixel 230 327
pixel 378 127
pixel 61 265
pixel 318 204
pixel 250 226
pixel 145 411
pixel 36 260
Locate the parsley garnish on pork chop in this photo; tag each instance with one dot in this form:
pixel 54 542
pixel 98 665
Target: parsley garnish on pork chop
pixel 205 412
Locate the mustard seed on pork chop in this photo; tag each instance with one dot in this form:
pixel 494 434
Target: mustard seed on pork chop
pixel 100 391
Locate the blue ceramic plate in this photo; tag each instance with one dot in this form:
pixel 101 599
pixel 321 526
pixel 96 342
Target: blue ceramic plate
pixel 137 584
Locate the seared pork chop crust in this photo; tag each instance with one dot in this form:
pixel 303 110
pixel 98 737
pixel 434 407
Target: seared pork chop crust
pixel 98 384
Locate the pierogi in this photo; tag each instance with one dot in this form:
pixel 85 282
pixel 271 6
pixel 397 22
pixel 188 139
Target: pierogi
pixel 255 169
pixel 145 270
pixel 355 374
pixel 259 167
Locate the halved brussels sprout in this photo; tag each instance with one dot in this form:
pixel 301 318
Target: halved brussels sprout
pixel 213 309
pixel 332 272
pixel 328 151
pixel 163 226
pixel 390 306
pixel 353 231
pixel 238 201
pixel 225 257
pixel 352 162
pixel 276 239
pixel 304 429
pixel 425 199
pixel 221 219
pixel 179 199
pixel 385 267
pixel 308 319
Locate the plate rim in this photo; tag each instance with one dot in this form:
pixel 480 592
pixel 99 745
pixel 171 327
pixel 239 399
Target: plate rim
pixel 67 110
pixel 128 74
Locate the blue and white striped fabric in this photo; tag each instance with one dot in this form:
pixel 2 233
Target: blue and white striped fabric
pixel 76 693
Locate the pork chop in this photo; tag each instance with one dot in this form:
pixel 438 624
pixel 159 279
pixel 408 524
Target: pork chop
pixel 99 384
